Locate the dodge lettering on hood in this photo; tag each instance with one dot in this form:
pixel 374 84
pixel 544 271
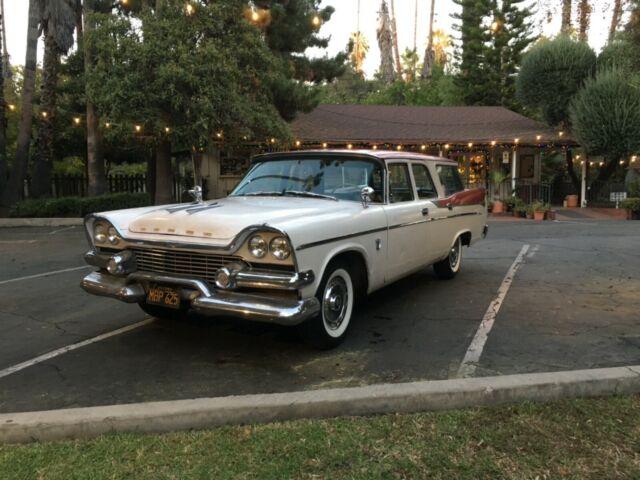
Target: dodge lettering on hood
pixel 298 242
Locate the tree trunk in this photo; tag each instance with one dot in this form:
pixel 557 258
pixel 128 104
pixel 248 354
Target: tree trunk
pixel 429 55
pixel 164 173
pixel 3 117
pixel 584 15
pixel 566 16
pixel 385 44
pixel 394 34
pixel 15 185
pixel 615 18
pixel 95 161
pixel 43 159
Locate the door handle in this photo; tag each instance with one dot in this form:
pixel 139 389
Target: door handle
pixel 425 211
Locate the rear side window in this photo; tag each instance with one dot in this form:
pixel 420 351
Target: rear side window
pixel 400 188
pixel 424 184
pixel 450 179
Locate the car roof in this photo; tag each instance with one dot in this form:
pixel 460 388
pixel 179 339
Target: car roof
pixel 384 155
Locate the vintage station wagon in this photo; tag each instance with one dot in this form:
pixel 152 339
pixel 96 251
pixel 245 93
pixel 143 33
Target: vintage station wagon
pixel 299 241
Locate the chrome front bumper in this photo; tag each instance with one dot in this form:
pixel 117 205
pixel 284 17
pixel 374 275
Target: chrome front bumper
pixel 271 309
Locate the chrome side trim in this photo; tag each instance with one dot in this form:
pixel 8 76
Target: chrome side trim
pixel 273 280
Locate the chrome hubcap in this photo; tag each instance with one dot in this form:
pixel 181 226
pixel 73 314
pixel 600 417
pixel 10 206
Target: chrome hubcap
pixel 335 301
pixel 454 254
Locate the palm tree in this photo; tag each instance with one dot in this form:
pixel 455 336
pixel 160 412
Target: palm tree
pixel 3 117
pixel 385 43
pixel 615 18
pixel 95 162
pixel 57 23
pixel 566 16
pixel 13 191
pixel 584 15
pixel 429 54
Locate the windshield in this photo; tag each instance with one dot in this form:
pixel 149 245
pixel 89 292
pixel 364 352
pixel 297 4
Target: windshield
pixel 336 178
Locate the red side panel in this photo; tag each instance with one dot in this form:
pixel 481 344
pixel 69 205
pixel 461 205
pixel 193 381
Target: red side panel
pixel 475 196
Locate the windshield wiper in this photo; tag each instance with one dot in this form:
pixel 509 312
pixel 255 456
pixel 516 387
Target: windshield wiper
pixel 258 194
pixel 298 193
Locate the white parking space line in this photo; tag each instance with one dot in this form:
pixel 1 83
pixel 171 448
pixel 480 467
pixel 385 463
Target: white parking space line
pixel 45 274
pixel 474 352
pixel 16 242
pixel 533 251
pixel 74 346
pixel 62 230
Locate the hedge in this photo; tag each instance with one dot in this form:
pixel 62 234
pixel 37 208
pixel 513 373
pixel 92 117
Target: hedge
pixel 632 204
pixel 77 206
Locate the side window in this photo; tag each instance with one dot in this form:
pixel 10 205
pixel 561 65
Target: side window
pixel 450 179
pixel 424 183
pixel 400 188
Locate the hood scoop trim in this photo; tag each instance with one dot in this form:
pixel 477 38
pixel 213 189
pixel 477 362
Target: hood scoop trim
pixel 193 208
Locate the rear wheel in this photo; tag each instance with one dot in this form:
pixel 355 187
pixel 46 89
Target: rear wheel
pixel 336 295
pixel 450 266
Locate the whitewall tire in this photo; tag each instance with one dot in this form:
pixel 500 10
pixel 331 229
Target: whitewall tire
pixel 450 266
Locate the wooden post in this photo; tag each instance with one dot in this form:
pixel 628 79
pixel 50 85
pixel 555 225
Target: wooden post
pixel 583 185
pixel 514 170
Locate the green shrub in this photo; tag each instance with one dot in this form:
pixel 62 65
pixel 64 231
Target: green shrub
pixel 77 206
pixel 632 204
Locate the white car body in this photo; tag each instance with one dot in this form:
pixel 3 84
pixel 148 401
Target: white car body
pixel 391 240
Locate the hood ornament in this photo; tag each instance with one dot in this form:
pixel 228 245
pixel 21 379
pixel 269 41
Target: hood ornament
pixel 196 194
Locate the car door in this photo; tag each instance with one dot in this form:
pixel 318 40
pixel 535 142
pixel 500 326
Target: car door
pixel 427 205
pixel 405 223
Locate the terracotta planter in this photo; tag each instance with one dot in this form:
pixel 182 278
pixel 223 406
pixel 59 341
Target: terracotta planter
pixel 530 215
pixel 572 201
pixel 498 207
pixel 538 215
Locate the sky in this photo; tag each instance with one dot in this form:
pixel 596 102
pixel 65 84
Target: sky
pixel 345 21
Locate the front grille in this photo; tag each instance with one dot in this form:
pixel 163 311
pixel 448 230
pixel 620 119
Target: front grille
pixel 191 264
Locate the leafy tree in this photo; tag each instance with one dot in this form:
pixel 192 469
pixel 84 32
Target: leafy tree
pixel 184 78
pixel 411 65
pixel 552 71
pixel 605 118
pixel 292 29
pixel 510 37
pixel 350 87
pixel 57 22
pixel 473 77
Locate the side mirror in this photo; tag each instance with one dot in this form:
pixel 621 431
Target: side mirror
pixel 365 195
pixel 196 194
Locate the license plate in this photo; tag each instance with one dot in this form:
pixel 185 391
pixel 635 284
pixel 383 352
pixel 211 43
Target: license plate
pixel 163 296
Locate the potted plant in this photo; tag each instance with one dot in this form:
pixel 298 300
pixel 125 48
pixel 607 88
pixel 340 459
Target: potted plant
pixel 539 210
pixel 498 177
pixel 519 207
pixel 529 211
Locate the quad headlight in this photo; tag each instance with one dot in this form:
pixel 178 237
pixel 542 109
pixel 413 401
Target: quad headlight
pixel 258 246
pixel 278 246
pixel 105 234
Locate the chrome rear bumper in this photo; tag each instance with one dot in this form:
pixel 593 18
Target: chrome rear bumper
pixel 198 295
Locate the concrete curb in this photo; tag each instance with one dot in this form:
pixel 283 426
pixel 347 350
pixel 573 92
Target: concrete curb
pixel 375 399
pixel 40 222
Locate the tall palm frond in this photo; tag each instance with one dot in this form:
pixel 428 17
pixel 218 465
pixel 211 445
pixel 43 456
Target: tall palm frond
pixel 58 19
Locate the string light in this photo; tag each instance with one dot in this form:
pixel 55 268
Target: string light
pixel 12 107
pixel 621 162
pixel 138 128
pixel 538 137
pixel 560 133
pixel 633 158
pixel 495 26
pixel 273 140
pixel 189 9
pixel 577 157
pixel 316 21
pixel 324 145
pixel 219 134
pixel 297 143
pixel 107 125
pixel 349 146
pixel 591 164
pixel 399 147
pixel 375 147
pixel 423 147
pixel 76 120
pixel 447 146
pixel 124 2
pixel 516 140
pixel 470 144
pixel 167 129
pixel 44 114
pixel 602 164
pixel 493 143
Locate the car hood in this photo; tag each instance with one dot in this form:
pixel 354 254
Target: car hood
pixel 221 220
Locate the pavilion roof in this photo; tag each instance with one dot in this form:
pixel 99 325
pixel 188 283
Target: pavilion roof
pixel 416 125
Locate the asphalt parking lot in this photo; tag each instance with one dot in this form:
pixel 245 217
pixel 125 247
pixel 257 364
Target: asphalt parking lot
pixel 573 303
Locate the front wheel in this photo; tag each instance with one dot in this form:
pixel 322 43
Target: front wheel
pixel 448 267
pixel 336 295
